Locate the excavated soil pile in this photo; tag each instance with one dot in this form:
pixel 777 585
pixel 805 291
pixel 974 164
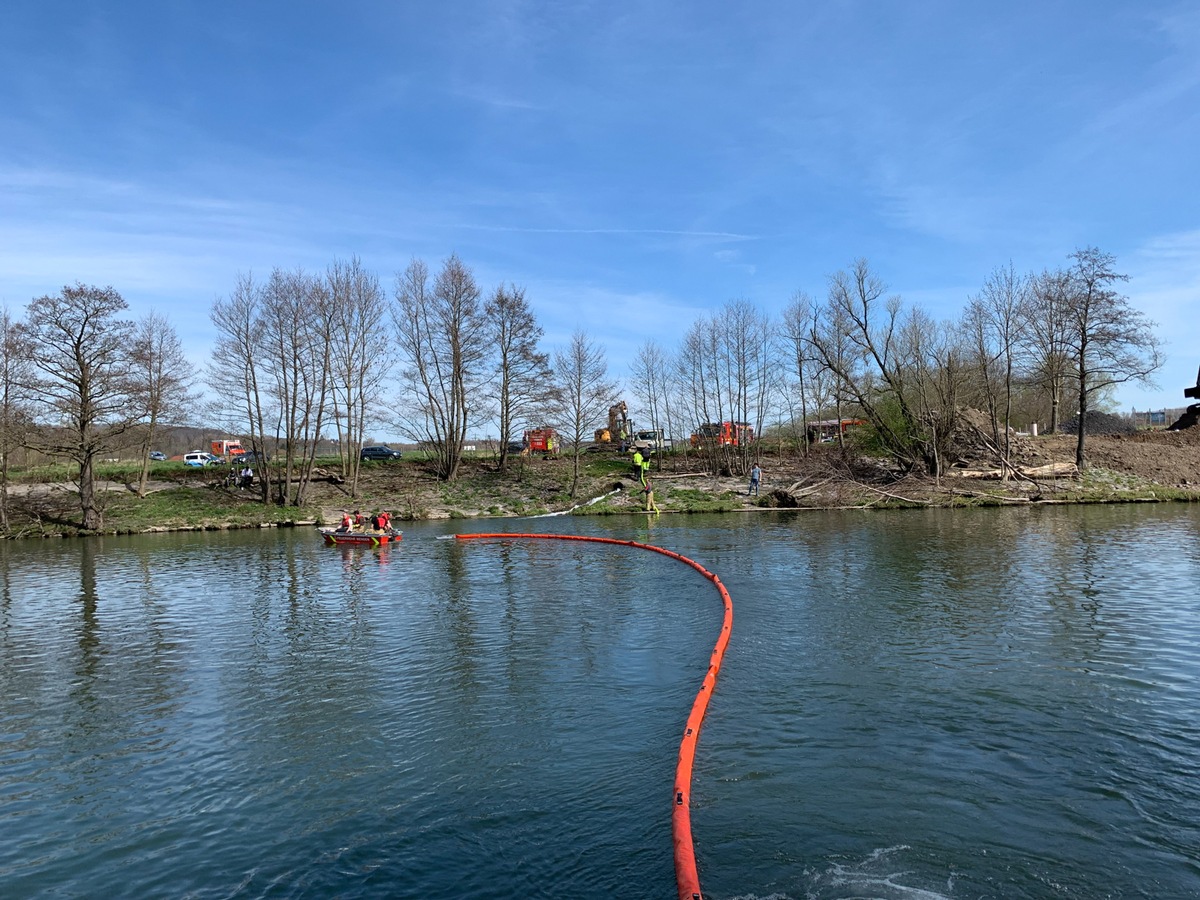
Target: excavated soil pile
pixel 1167 457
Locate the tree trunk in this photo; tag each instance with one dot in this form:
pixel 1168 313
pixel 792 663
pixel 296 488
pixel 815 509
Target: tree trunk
pixel 92 519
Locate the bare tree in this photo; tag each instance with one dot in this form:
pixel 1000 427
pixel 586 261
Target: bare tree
pixel 443 339
pixel 995 321
pixel 838 360
pixel 79 351
pixel 1111 342
pixel 679 419
pixel 651 386
pixel 751 380
pixel 15 422
pixel 360 357
pixel 808 388
pixel 887 369
pixel 585 392
pixel 160 381
pixel 234 372
pixel 1046 340
pixel 933 355
pixel 724 366
pixel 522 381
pixel 699 385
pixel 864 359
pixel 296 312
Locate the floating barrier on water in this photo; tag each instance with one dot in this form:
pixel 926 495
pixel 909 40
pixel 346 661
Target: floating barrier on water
pixel 687 879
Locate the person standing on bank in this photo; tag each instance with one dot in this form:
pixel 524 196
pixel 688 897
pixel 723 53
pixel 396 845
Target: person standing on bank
pixel 648 490
pixel 755 478
pixel 637 466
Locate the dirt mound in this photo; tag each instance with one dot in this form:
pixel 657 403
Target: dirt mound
pixel 1168 457
pixel 1096 422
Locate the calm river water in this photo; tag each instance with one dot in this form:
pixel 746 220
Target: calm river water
pixel 943 704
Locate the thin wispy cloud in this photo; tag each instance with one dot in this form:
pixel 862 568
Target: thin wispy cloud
pixel 528 229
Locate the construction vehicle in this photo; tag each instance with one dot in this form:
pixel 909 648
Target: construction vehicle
pixel 1191 416
pixel 542 440
pixel 826 431
pixel 723 434
pixel 229 449
pixel 619 427
pixel 650 441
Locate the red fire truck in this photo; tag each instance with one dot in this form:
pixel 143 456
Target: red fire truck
pixel 723 434
pixel 542 440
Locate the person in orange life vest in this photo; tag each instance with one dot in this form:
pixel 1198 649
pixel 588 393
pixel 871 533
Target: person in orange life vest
pixel 360 521
pixel 385 521
pixel 345 524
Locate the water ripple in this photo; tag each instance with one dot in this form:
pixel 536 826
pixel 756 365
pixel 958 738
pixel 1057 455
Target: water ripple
pixel 958 705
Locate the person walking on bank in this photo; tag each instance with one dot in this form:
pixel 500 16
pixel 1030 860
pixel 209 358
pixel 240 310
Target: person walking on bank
pixel 638 470
pixel 755 478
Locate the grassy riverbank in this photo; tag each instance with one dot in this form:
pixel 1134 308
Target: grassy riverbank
pixel 1153 466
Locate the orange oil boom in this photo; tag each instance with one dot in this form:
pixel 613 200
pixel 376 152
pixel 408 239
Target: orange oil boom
pixel 687 880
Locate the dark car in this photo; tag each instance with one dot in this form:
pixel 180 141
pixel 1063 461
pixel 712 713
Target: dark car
pixel 383 452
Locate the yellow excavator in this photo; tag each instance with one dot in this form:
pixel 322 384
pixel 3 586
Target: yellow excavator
pixel 619 427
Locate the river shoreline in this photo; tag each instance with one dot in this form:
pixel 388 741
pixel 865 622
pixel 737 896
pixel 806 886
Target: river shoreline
pixel 1148 467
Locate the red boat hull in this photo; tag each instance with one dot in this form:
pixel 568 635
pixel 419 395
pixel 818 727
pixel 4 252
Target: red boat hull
pixel 359 538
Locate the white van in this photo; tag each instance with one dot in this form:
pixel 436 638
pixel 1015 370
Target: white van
pixel 199 458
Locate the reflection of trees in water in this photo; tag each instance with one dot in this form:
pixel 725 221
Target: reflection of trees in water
pixel 106 685
pixel 310 661
pixel 460 619
pixel 1078 555
pixel 937 569
pixel 89 625
pixel 1095 569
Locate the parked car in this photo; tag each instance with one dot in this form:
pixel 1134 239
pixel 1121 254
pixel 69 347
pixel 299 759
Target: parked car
pixel 380 452
pixel 199 459
pixel 157 455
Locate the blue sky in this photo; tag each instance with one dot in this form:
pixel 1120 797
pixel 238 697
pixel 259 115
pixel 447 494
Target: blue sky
pixel 633 165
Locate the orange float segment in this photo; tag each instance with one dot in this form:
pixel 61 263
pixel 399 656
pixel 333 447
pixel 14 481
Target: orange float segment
pixel 687 879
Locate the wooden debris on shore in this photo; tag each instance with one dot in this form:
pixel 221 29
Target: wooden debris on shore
pixel 1050 470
